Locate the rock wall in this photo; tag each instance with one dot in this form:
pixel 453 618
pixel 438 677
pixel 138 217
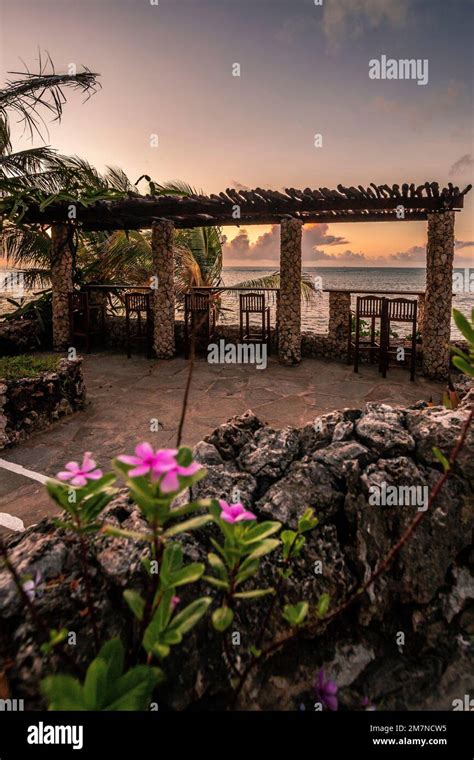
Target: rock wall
pixel 427 595
pixel 31 404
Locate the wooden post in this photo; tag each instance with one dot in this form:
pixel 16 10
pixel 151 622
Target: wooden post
pixel 163 296
pixel 289 314
pixel 438 296
pixel 61 284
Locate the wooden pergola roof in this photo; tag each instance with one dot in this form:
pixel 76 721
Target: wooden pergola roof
pixel 376 203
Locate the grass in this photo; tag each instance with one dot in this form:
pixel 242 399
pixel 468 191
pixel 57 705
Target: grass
pixel 16 367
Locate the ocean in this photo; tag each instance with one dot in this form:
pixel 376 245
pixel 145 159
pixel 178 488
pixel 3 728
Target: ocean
pixel 315 316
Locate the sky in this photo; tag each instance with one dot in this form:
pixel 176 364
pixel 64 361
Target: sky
pixel 167 69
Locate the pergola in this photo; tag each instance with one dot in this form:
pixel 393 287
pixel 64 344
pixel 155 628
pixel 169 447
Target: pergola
pixel 291 209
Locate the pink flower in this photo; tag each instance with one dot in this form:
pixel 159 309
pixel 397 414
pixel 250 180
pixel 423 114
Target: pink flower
pixel 326 691
pixel 175 601
pixel 233 513
pixel 79 474
pixel 159 464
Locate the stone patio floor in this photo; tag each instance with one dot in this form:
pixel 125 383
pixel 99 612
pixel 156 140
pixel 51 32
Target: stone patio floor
pixel 125 395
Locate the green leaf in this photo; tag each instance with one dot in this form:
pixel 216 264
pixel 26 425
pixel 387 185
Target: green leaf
pixel 217 582
pixel 322 605
pixel 113 654
pixel 255 594
pixel 172 562
pixel 189 574
pixel 292 543
pixel 95 685
pixel 63 693
pixel 222 618
pixel 248 568
pixel 188 525
pixel 463 366
pixel 264 547
pixel 132 692
pixel 135 602
pixel 260 531
pixel 441 458
pixel 217 565
pixel 463 326
pixel 307 521
pixel 295 614
pixel 110 530
pixel 185 456
pixel 187 618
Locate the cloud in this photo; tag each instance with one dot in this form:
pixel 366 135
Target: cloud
pixel 458 244
pixel 267 245
pixel 352 17
pixel 462 165
pixel 421 112
pixel 417 253
pixel 345 257
pixel 239 186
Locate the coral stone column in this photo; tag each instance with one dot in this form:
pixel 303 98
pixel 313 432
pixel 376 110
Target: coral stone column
pixel 163 300
pixel 438 296
pixel 61 284
pixel 289 312
pixel 339 313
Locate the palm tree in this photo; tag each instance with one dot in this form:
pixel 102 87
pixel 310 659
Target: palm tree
pixel 28 96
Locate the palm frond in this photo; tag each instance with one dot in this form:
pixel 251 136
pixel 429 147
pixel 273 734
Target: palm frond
pixel 33 92
pixel 115 177
pixel 307 288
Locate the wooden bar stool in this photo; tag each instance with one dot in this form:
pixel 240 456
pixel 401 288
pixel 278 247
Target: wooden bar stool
pixel 254 303
pixel 399 310
pixel 370 308
pixel 138 304
pixel 199 320
pixel 86 319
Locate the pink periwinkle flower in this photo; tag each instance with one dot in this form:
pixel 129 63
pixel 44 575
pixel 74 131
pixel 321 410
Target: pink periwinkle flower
pixel 160 464
pixel 326 691
pixel 175 600
pixel 233 513
pixel 79 474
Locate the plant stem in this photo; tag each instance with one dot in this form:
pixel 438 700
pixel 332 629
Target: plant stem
pixel 87 583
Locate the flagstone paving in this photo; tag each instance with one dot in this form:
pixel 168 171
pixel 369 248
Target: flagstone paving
pixel 126 397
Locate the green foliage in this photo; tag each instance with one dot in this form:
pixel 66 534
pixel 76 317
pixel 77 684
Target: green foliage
pixel 167 629
pixel 464 361
pixel 106 686
pixel 17 367
pixel 82 505
pixel 295 614
pixel 322 606
pixel 55 638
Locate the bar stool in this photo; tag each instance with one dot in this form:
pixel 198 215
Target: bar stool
pixel 254 303
pixel 399 310
pixel 199 319
pixel 86 319
pixel 372 308
pixel 138 304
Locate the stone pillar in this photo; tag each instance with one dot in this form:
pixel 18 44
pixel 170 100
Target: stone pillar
pixel 163 294
pixel 421 314
pixel 339 312
pixel 61 284
pixel 438 296
pixel 289 314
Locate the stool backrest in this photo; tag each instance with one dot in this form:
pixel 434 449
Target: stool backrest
pixel 137 301
pixel 197 302
pixel 79 301
pixel 252 302
pixel 369 306
pixel 402 309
